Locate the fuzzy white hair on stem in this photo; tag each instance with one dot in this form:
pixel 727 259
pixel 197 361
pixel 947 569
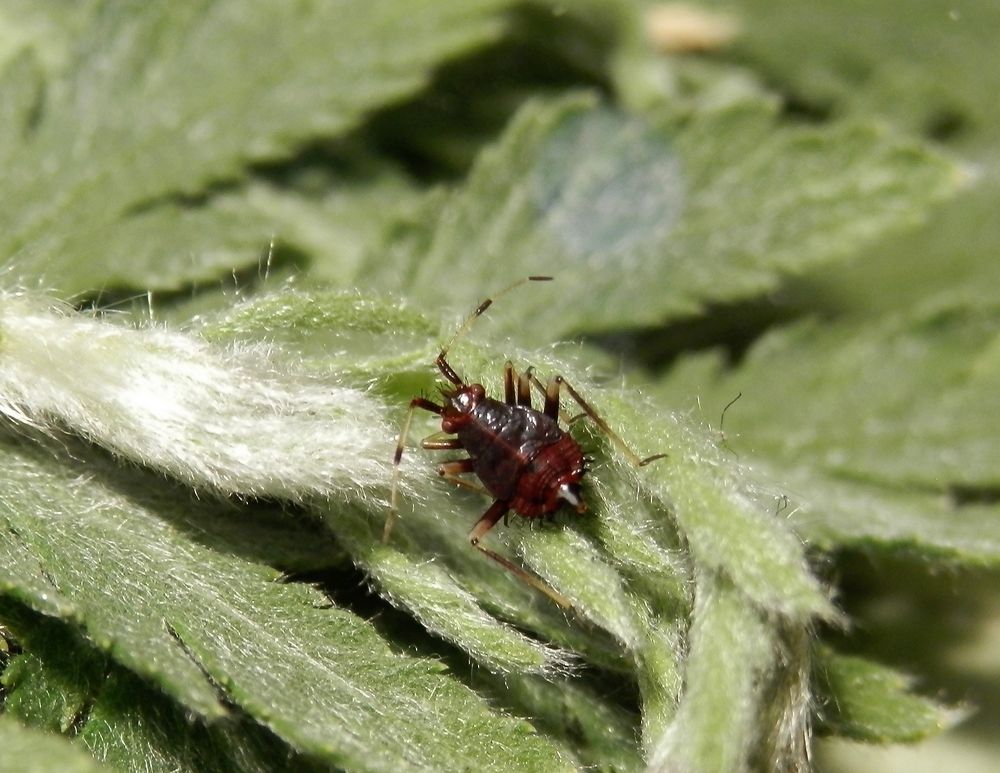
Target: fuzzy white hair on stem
pixel 216 418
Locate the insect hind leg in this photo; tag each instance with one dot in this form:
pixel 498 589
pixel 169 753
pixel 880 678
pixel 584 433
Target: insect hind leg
pixel 490 518
pixel 552 401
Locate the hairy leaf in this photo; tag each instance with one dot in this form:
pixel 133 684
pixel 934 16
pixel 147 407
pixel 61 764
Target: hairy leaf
pixel 121 719
pixel 870 702
pixel 32 751
pixel 625 210
pixel 914 389
pixel 160 100
pixel 196 621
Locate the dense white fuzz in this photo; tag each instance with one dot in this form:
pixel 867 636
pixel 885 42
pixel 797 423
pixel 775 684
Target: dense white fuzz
pixel 214 418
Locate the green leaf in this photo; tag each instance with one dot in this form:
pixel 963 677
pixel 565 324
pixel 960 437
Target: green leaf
pixel 914 387
pixel 625 210
pixel 869 702
pixel 337 332
pixel 49 30
pixel 121 719
pixel 283 227
pixel 732 649
pixel 831 513
pixel 863 61
pixel 21 100
pixel 197 411
pixel 50 696
pixel 442 605
pixel 32 751
pixel 730 531
pixel 159 100
pixel 361 212
pixel 725 529
pixel 320 678
pixel 863 66
pixel 584 716
pixel 639 593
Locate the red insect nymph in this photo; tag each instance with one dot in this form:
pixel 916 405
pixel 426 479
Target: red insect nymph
pixel 522 457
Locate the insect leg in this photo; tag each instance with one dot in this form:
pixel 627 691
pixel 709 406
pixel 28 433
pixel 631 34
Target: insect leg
pixel 495 512
pixel 456 467
pixel 508 383
pixel 433 443
pixel 451 470
pixel 524 388
pixel 390 518
pixel 628 453
pixel 552 399
pixel 510 376
pixel 551 395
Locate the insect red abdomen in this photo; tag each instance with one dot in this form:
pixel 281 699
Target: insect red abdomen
pixel 555 466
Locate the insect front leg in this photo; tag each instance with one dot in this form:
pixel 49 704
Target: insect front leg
pixel 390 518
pixel 440 442
pixel 490 518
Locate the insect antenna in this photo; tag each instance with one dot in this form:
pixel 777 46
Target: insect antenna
pixel 722 424
pixel 442 361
